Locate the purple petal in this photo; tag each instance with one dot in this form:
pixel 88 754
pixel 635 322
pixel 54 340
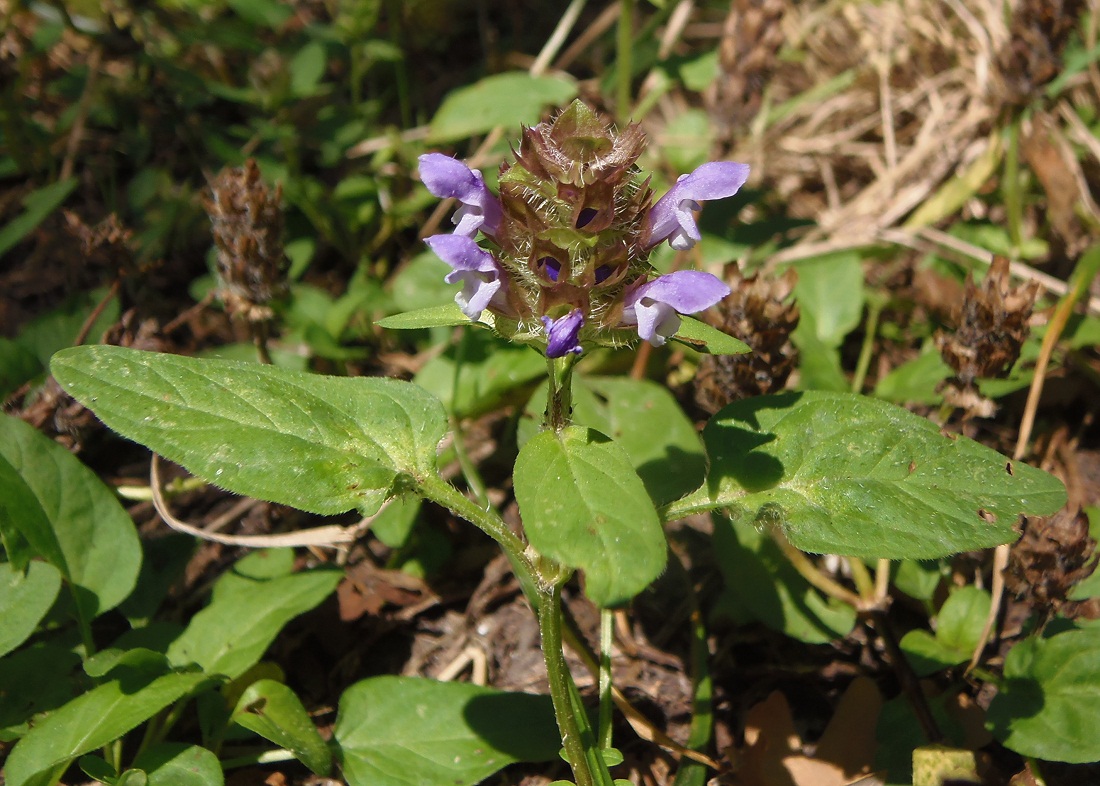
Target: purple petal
pixel 655 307
pixel 672 218
pixel 450 179
pixel 562 334
pixel 473 266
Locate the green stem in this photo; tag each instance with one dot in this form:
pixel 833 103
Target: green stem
pixel 1010 188
pixel 559 398
pixel 604 734
pixel 874 310
pixel 444 494
pixel 624 46
pixel 562 692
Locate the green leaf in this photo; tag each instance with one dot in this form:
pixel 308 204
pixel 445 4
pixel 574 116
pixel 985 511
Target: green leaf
pixel 509 100
pixel 275 712
pixel 762 582
pixel 306 69
pixel 1048 705
pixel 583 505
pixel 958 629
pixel 53 507
pixel 446 315
pixel 402 731
pixel 35 679
pixel 25 597
pixel 645 419
pixel 491 370
pixel 830 296
pixel 846 474
pixel 244 616
pixel 176 764
pixel 321 444
pixel 703 338
pixel 916 380
pixel 38 204
pixel 100 716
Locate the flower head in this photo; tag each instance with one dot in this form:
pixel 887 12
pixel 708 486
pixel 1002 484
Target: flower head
pixel 450 179
pixel 565 260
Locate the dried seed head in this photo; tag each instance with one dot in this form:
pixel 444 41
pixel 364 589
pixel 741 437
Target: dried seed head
pixel 758 312
pixel 1053 555
pixel 247 224
pixel 747 56
pixel 992 326
pixel 1033 55
pixel 107 244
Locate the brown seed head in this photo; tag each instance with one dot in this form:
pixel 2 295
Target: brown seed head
pixel 247 224
pixel 760 313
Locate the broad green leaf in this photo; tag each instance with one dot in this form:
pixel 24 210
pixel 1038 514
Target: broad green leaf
pixel 35 679
pixel 916 380
pixel 846 474
pixel 687 139
pixel 419 284
pixel 583 505
pixel 176 764
pixel 408 731
pixel 100 716
pixel 28 355
pixel 394 524
pixel 703 338
pixel 25 597
pixel 645 419
pixel 446 315
pixel 37 205
pixel 491 370
pixel 509 100
pixel 830 296
pixel 819 364
pixel 762 582
pixel 53 507
pixel 275 712
pixel 306 69
pixel 244 616
pixel 958 629
pixel 919 578
pixel 321 444
pixel 1048 705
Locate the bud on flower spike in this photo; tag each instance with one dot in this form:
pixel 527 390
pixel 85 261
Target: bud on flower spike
pixel 566 257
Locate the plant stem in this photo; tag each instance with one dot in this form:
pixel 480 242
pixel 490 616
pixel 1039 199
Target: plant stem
pixel 442 493
pixel 559 398
pixel 604 733
pixel 562 687
pixel 874 310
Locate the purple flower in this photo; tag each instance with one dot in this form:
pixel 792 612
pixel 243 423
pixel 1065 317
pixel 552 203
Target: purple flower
pixel 562 333
pixel 655 307
pixel 450 179
pixel 473 266
pixel 673 217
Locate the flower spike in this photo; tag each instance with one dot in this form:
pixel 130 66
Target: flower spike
pixel 562 334
pixel 474 267
pixel 655 307
pixel 672 218
pixel 448 178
